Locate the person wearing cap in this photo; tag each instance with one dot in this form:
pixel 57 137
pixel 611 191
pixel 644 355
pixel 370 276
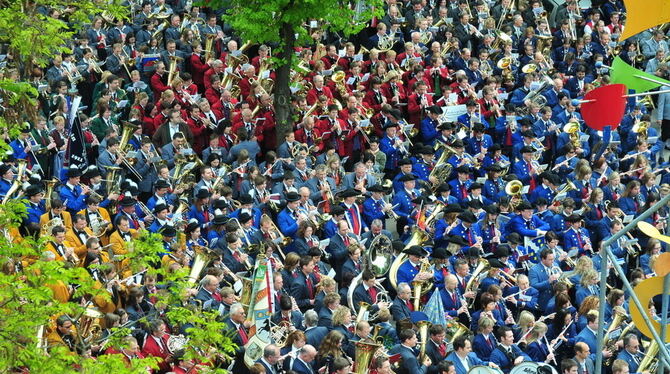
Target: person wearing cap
pixel 525 170
pixel 429 125
pixel 576 237
pixel 391 144
pixel 200 209
pixel 161 213
pixel 460 158
pixel 128 208
pixel 409 270
pixel 330 227
pixel 424 164
pixel 526 223
pixel 72 193
pixel 559 224
pixel 352 212
pixel 547 188
pixel 403 202
pixel 443 194
pixel 445 137
pixel 161 195
pixel 461 184
pixel 22 146
pixel 479 143
pixel 35 205
pixel 475 194
pixel 95 182
pixel 490 228
pixel 494 186
pixel 249 232
pixel 405 166
pixel 374 207
pixel 95 212
pixel 495 156
pixel 440 260
pixel 289 218
pixel 541 206
pixel 286 186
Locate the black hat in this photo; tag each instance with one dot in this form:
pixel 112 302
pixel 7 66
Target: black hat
pixel 514 238
pixel 502 250
pixel 288 175
pixel 445 126
pixel 524 205
pixel 127 201
pixel 528 134
pixel 91 172
pixel 192 225
pixel 396 113
pixel 389 124
pixel 422 199
pixel 407 178
pixel 497 264
pixel 492 209
pixel 202 193
pixel 244 217
pixel 349 192
pixel 73 172
pixel 439 253
pixel 416 250
pixel 33 190
pixel 494 168
pixel 219 219
pixel 463 169
pixel 373 139
pixel 478 127
pixel 527 149
pixel 453 208
pixel 161 184
pixel 245 199
pixel 292 196
pixel 5 168
pixel 404 161
pixel 458 143
pixel 457 239
pixel 444 187
pixel 219 204
pixel 467 216
pixel 337 210
pixel 473 252
pixel 427 150
pixel 541 201
pixel 376 188
pixel 495 147
pixel 475 186
pixel 168 231
pixel 475 204
pixel 160 207
pixel 574 217
pixel 434 109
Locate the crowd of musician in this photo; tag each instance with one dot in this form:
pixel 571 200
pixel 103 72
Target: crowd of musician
pixel 438 151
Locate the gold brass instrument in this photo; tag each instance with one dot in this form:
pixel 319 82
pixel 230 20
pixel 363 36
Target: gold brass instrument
pixel 641 128
pixel 436 214
pixel 89 329
pixel 276 234
pixel 386 43
pixel 419 285
pixel 233 62
pixel 649 362
pixel 529 68
pixel 418 236
pixel 572 128
pixel 505 64
pixel 379 255
pixel 382 296
pixel 280 332
pixel 209 43
pixel 442 169
pixel 423 337
pixel 126 133
pixel 365 351
pixel 173 68
pixel 16 184
pixel 513 189
pixel 176 343
pixel 50 184
pixel 339 77
pixel 203 257
pixel 482 267
pixel 99 226
pixel 425 37
pixel 562 190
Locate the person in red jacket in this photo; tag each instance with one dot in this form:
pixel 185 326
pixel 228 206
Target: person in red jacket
pixel 199 126
pixel 263 52
pixel 159 80
pixel 341 135
pixel 375 98
pixel 198 67
pixel 393 89
pixel 418 102
pixel 318 90
pixel 130 350
pixel 155 344
pixel 216 68
pixel 213 93
pixel 331 58
pixel 265 116
pixel 245 83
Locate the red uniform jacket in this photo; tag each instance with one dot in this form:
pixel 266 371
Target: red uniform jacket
pixel 414 108
pixel 313 94
pixel 157 85
pixel 152 348
pixel 374 100
pixel 389 91
pixel 268 137
pixel 198 69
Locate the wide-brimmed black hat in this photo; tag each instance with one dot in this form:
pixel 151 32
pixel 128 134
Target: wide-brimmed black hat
pixel 416 250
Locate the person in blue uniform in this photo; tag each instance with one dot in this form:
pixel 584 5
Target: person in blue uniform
pixel 161 195
pixel 35 204
pixel 494 186
pixel 403 202
pixel 576 237
pixel 547 187
pixel 72 193
pixel 478 144
pixel 443 194
pixel 409 271
pixel 467 229
pixel 7 175
pixel 390 143
pixel 423 165
pixel 527 224
pixel 374 207
pixel 288 219
pixel 429 125
pixel 524 169
pixel 461 184
pixel 405 168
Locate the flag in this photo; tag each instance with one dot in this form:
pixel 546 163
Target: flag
pixel 622 73
pixel 533 247
pixel 435 310
pixel 259 311
pixel 421 218
pixel 75 154
pixel 644 14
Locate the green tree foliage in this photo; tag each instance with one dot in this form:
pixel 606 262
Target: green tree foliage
pixel 27 305
pixel 286 23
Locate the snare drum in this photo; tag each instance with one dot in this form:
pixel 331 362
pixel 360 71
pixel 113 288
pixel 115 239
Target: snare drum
pixel 484 370
pixel 525 367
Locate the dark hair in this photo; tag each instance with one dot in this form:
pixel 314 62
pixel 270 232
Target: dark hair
pixel 460 342
pixel 406 334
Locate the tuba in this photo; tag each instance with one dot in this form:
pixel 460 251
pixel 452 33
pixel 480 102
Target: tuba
pixel 51 184
pixel 513 189
pixel 641 128
pixel 16 184
pixel 418 236
pixel 423 337
pixel 442 169
pixel 482 267
pixel 99 226
pixel 365 350
pixel 176 343
pixel 203 257
pixel 649 362
pixel 382 296
pixel 419 285
pixel 379 255
pixel 572 128
pixel 562 190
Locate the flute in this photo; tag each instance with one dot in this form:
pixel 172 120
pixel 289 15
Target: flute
pixel 549 348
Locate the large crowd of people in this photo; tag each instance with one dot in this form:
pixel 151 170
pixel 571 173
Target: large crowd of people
pixel 440 150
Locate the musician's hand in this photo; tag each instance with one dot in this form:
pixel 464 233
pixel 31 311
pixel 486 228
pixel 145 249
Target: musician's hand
pixel 112 196
pixel 550 357
pixel 494 365
pixel 553 277
pixel 118 161
pixel 469 294
pixel 607 353
pixel 149 219
pixel 427 361
pixel 511 299
pixel 462 309
pixel 579 150
pixel 518 360
pixel 383 305
pixel 244 257
pixel 85 189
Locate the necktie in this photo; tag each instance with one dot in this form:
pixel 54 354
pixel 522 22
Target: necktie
pixel 346 240
pixel 243 335
pixel 443 349
pixel 373 294
pixel 310 288
pixel 354 220
pixel 410 305
pixel 586 371
pixel 453 297
pixel 579 240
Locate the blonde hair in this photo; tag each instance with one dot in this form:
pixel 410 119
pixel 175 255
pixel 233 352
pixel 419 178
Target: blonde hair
pixel 339 314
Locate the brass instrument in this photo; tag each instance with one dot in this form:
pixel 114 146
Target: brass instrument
pixel 16 184
pixel 482 267
pixel 365 350
pixel 505 64
pixel 418 237
pixel 280 332
pixel 419 285
pixel 339 77
pixel 562 190
pixel 572 128
pixel 89 329
pixel 442 169
pixel 50 184
pixel 126 133
pixel 173 68
pixel 203 257
pixel 379 255
pixel 649 362
pixel 513 189
pixel 176 343
pixel 423 337
pixel 99 226
pixel 233 62
pixel 209 43
pixel 641 127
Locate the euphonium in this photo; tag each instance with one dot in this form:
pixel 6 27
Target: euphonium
pixel 339 77
pixel 442 169
pixel 363 308
pixel 423 336
pixel 473 283
pixel 572 128
pixel 379 255
pixel 418 237
pixel 365 350
pixel 203 257
pixel 641 128
pixel 563 189
pixel 419 285
pixel 649 361
pixel 50 189
pixel 513 188
pixel 16 184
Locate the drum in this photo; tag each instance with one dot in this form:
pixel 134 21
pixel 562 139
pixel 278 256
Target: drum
pixel 525 367
pixel 484 370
